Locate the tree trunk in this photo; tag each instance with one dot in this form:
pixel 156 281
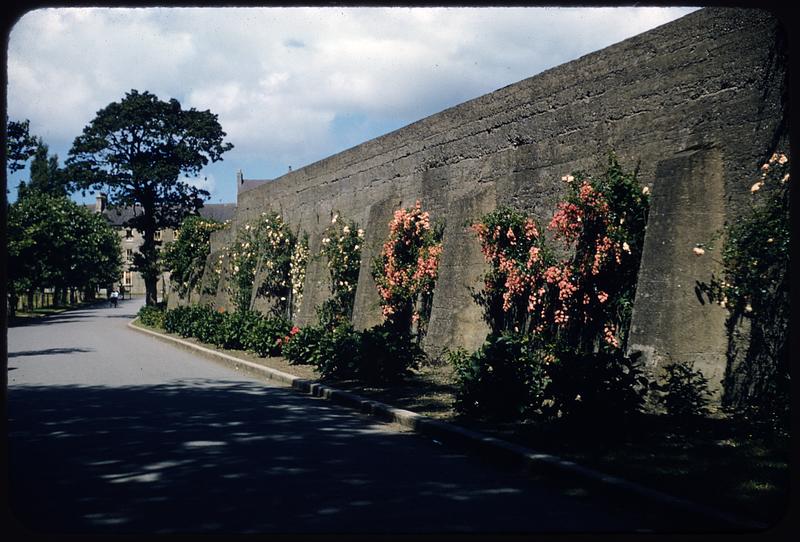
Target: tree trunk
pixel 151 290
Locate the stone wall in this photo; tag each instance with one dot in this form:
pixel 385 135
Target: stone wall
pixel 696 105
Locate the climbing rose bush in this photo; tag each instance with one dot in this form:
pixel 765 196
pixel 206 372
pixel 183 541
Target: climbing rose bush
pixel 754 288
pixel 297 271
pixel 185 257
pixel 341 247
pixel 515 291
pixel 262 252
pixel 406 270
pixel 586 297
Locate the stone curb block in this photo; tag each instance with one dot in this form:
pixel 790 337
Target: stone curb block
pixel 511 453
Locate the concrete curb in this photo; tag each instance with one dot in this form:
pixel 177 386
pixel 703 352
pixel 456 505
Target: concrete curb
pixel 511 454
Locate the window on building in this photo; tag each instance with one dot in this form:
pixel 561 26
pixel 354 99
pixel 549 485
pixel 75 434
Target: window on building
pixel 175 235
pixel 129 234
pixel 126 278
pixel 129 254
pixel 157 235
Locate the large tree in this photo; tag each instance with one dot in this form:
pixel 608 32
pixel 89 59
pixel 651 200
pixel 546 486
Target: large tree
pixel 137 149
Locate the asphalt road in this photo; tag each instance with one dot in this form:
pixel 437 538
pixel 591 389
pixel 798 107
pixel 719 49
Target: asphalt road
pixel 114 431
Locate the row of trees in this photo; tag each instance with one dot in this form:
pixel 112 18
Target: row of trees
pixel 137 150
pixel 52 241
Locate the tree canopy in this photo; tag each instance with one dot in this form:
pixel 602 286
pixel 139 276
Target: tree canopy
pixel 46 175
pixel 20 145
pixel 55 242
pixel 185 258
pixel 137 149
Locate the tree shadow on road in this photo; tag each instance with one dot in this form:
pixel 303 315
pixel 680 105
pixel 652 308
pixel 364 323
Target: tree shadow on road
pixel 205 456
pixel 48 352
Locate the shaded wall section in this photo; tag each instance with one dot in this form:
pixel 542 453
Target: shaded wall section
pixel 702 94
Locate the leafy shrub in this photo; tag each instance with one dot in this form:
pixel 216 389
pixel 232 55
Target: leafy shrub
pixel 602 385
pixel 152 315
pixel 178 320
pixel 207 324
pixel 262 334
pixel 337 353
pixel 504 380
pixel 684 392
pixel 386 355
pixel 232 328
pixel 303 346
pixel 248 330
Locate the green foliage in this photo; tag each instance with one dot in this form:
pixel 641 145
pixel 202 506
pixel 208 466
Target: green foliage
pixel 247 330
pixel 605 385
pixel 754 289
pixel 505 379
pixel 152 315
pixel 207 325
pixel 385 355
pixel 259 264
pixel 185 257
pixel 46 175
pixel 684 393
pixel 264 334
pixel 178 320
pixel 559 324
pixel 337 353
pixel 137 150
pixel 54 242
pixel 302 349
pixel 235 327
pixel 376 355
pixel 20 145
pixel 341 247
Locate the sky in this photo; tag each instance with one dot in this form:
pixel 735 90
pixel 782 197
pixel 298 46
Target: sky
pixel 290 86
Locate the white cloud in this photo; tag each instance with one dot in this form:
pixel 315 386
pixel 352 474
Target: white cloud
pixel 279 78
pixel 204 182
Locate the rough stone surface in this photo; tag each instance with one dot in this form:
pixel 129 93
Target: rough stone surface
pixel 696 104
pixel 671 321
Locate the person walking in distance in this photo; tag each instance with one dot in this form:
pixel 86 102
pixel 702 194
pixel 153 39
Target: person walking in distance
pixel 114 297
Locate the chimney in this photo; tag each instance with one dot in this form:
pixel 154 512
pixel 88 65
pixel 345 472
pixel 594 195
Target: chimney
pixel 239 178
pixel 101 203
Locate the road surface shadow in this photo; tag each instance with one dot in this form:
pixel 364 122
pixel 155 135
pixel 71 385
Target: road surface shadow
pixel 48 352
pixel 214 456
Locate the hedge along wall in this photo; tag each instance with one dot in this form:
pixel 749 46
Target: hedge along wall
pixel 698 104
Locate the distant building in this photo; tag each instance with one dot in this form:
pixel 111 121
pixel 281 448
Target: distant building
pixel 130 239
